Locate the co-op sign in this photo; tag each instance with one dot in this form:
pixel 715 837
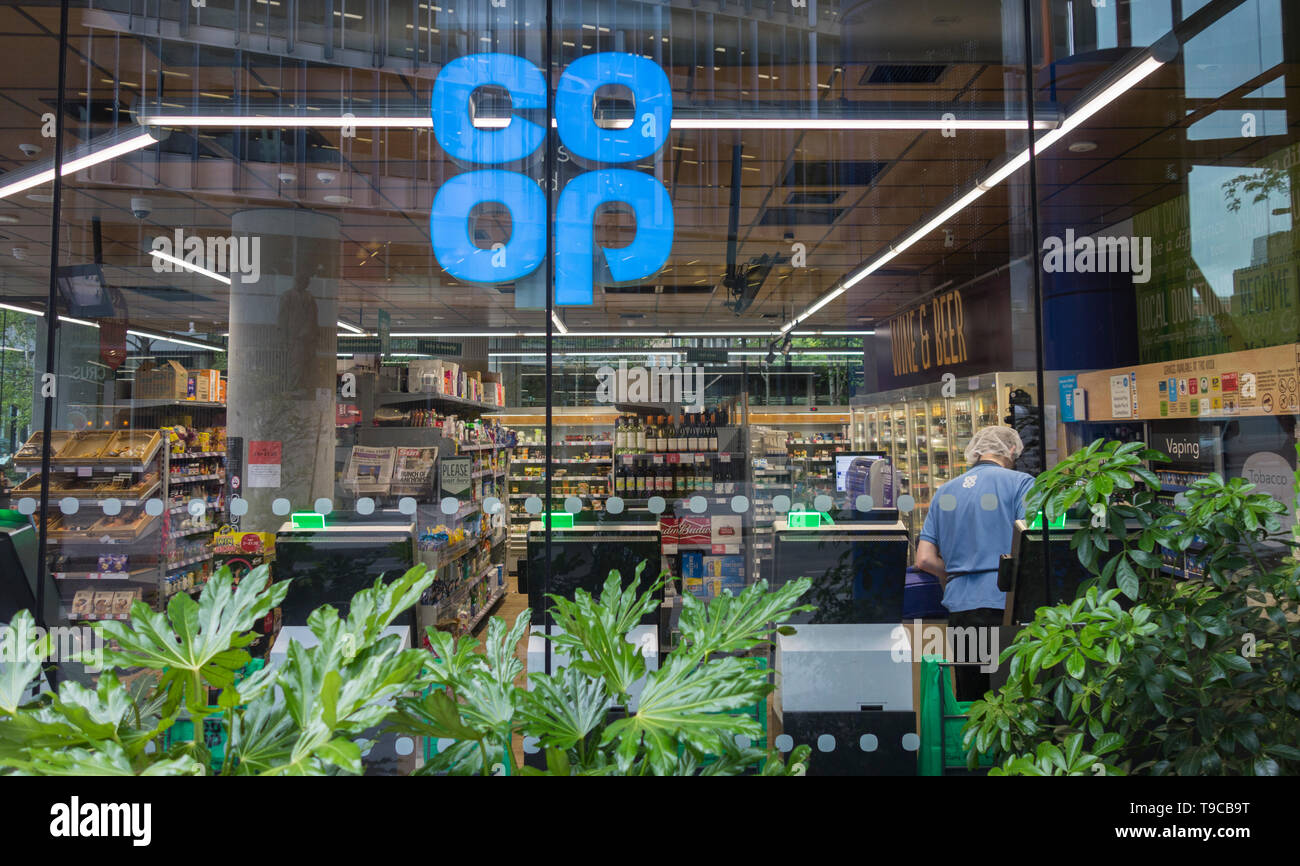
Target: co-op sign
pixel 591 145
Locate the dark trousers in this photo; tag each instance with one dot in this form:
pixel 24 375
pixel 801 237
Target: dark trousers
pixel 969 682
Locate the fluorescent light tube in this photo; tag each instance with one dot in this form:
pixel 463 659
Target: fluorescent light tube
pixel 99 153
pixel 181 263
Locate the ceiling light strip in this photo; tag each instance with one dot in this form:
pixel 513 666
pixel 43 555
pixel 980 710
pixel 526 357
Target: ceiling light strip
pixel 1160 54
pixel 39 177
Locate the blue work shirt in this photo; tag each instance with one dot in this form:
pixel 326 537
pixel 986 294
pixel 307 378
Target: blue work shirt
pixel 974 530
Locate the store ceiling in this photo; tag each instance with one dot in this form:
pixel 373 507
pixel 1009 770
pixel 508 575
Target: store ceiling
pixel 845 195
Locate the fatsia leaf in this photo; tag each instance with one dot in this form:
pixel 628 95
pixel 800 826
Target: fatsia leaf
pixel 735 624
pixel 432 715
pixel 193 642
pixel 688 703
pixel 24 650
pixel 563 708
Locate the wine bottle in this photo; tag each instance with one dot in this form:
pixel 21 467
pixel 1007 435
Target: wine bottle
pixel 713 432
pixel 694 433
pixel 640 436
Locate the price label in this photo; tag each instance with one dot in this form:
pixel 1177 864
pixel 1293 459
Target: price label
pixel 627 459
pixel 659 458
pixel 674 458
pixel 725 458
pixel 84 471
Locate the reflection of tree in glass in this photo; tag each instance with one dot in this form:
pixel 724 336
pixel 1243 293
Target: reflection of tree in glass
pixel 1262 183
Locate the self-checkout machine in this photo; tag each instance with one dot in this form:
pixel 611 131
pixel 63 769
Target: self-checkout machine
pixel 844 679
pixel 583 551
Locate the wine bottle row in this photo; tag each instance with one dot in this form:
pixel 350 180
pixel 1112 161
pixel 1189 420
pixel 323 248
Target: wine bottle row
pixel 668 434
pixel 648 475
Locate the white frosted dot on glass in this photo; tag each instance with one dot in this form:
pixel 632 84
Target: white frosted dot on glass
pixel 614 505
pixel 239 507
pixel 742 741
pixel 699 504
pixel 196 507
pixel 492 505
pixel 324 505
pixel 906 503
pixel 404 745
pixel 868 743
pixel 153 507
pixel 111 506
pixel 445 743
pixel 572 504
pixel 406 505
pixel 27 506
pixel 784 743
pixel 150 747
pixel 530 745
pixel 69 505
pixel 989 502
pixel 280 506
pixel 363 744
pixel 781 503
pixel 948 502
pixel 823 503
pixel 740 504
pixel 449 505
pixel 864 502
pixel 911 742
pixel 656 505
pixel 365 505
pixel 533 505
pixel 1180 500
pixel 826 743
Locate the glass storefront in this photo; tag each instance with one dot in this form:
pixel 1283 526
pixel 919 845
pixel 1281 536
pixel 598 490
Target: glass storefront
pixel 348 285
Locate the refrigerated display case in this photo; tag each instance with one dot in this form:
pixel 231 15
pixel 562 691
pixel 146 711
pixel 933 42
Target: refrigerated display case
pixel 925 433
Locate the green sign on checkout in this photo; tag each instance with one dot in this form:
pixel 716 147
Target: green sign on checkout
pixel 1057 522
pixel 559 520
pixel 308 520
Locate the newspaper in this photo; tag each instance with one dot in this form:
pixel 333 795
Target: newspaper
pixel 370 470
pixel 413 473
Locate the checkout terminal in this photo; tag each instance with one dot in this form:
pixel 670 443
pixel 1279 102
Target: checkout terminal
pixel 839 686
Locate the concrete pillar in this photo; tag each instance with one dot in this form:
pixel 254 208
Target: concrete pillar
pixel 283 347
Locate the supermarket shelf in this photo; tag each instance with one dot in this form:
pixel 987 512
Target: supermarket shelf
pixel 187 563
pixel 165 404
pixel 812 442
pixel 139 575
pixel 536 479
pixel 484 446
pixel 486 608
pixel 586 444
pixel 451 554
pixel 190 479
pixel 185 533
pixel 396 397
pixel 185 507
pixel 530 462
pixel 93 497
pixel 195 455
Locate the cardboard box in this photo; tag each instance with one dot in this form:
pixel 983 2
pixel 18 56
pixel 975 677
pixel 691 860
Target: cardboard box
pixel 221 391
pixel 207 385
pixel 724 567
pixel 692 565
pixel 169 381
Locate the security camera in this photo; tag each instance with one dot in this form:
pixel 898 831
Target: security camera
pixel 29 150
pixel 141 207
pixel 325 176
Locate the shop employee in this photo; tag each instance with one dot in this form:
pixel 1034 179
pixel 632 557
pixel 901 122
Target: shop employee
pixel 969 526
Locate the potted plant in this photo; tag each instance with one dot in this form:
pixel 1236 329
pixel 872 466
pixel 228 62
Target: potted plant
pixel 1192 675
pixel 685 720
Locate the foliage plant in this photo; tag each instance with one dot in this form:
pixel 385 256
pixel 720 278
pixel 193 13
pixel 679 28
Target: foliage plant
pixel 303 717
pixel 583 716
pixel 1148 671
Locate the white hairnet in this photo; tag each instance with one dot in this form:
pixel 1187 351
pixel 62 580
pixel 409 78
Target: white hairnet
pixel 995 442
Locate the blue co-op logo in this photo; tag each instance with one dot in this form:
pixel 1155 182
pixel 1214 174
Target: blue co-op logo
pixel 588 142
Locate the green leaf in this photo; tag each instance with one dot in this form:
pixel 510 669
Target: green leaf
pixel 563 708
pixel 1126 579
